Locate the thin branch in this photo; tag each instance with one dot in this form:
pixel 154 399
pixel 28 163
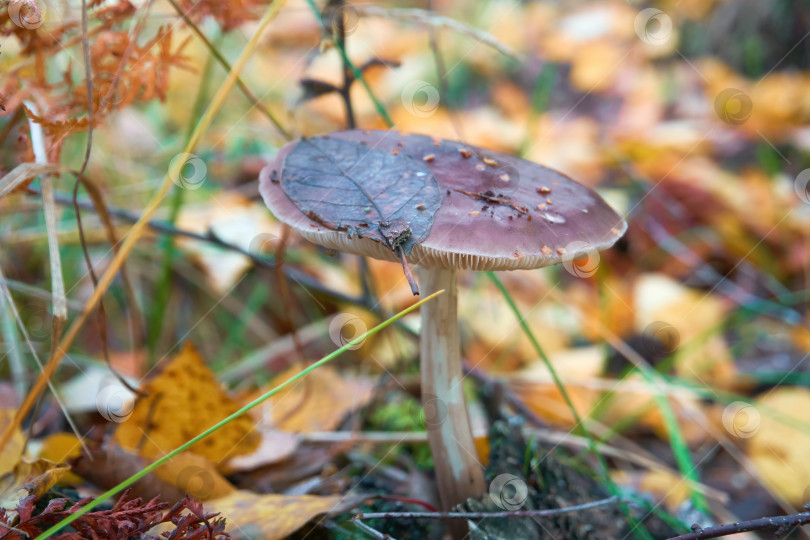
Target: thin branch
pixel 428 18
pixel 485 515
pixel 374 533
pixel 101 313
pixel 259 260
pixel 781 525
pixel 339 27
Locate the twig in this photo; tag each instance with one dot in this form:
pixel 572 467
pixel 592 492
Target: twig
pixel 484 515
pixel 780 525
pixel 508 394
pixel 374 533
pixel 428 18
pixel 356 72
pixel 339 27
pixel 284 289
pixel 101 313
pixel 24 172
pixel 259 260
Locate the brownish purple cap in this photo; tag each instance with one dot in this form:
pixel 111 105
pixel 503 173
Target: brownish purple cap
pixel 498 212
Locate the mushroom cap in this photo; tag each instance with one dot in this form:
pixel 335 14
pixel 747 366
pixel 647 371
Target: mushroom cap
pixel 498 212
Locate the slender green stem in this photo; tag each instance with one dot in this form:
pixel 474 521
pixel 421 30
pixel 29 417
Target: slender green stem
pixel 151 467
pixel 167 243
pixel 679 447
pixel 579 426
pixel 358 75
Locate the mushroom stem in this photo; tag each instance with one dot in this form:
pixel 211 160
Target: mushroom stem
pixel 459 474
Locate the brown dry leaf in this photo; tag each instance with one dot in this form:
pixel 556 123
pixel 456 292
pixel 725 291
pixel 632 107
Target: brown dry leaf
pixel 272 517
pixel 184 400
pixel 779 441
pixel 59 448
pixel 318 402
pixel 108 465
pixel 187 473
pixel 29 478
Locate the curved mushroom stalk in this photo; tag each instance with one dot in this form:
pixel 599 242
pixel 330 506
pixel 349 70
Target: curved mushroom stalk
pixel 459 474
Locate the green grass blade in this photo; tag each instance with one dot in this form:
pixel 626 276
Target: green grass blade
pixel 579 426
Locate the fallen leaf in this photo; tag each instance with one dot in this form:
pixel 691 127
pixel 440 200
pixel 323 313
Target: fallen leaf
pixel 318 402
pixel 272 517
pixel 777 433
pixel 11 453
pixel 195 476
pixel 185 474
pixel 29 478
pixel 535 387
pixel 275 446
pixel 59 448
pixel 234 219
pixel 685 318
pixel 184 400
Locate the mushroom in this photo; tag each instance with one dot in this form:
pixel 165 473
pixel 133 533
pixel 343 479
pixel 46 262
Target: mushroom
pixel 498 212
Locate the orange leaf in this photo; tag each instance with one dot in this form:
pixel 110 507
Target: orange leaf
pixel 273 516
pixel 183 401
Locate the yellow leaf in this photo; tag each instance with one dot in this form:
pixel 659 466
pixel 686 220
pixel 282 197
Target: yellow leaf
pixel 595 68
pixel 318 402
pixel 271 517
pixel 59 448
pixel 777 431
pixel 183 401
pixel 667 309
pixel 11 453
